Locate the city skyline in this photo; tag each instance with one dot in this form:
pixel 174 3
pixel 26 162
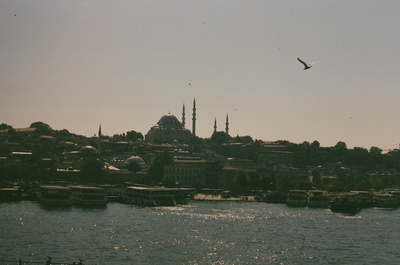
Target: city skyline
pixel 124 64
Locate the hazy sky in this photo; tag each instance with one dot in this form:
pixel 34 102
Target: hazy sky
pixel 124 64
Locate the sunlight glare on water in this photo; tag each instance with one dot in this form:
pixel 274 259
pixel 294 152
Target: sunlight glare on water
pixel 198 233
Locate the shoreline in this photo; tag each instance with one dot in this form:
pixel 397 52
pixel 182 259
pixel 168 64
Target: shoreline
pixel 208 198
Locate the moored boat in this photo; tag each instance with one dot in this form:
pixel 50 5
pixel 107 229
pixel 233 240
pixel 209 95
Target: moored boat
pixel 10 194
pixel 385 200
pixel 395 193
pixel 184 195
pixel 88 196
pixel 318 199
pixel 114 192
pixel 345 203
pixel 275 197
pixel 365 198
pixel 297 198
pixel 54 196
pixel 156 196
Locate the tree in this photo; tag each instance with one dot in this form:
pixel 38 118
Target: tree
pixel 4 126
pixel 117 138
pixel 339 151
pixel 91 170
pixel 315 144
pixel 134 167
pixel 316 177
pixel 156 169
pixel 240 182
pixel 341 146
pixel 41 128
pixel 133 136
pixel 375 151
pixel 376 158
pixel 64 133
pixel 244 139
pixel 11 131
pixel 358 156
pixel 220 138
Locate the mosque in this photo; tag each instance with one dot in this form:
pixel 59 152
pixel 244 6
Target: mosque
pixel 169 129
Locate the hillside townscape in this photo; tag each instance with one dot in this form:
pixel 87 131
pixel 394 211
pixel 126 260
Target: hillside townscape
pixel 239 164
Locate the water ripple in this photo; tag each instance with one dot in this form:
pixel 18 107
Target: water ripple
pixel 199 233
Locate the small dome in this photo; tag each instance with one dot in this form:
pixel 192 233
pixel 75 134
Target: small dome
pixel 139 141
pixel 46 137
pixel 136 159
pixel 88 150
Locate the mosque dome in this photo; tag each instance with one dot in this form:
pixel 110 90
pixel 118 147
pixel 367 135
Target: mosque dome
pixel 168 129
pixel 89 151
pixel 169 120
pixel 136 159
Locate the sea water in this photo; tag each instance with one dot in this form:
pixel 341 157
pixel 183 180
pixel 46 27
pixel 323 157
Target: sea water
pixel 198 233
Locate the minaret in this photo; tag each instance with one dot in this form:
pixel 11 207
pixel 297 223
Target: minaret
pixel 215 125
pixel 183 116
pixel 227 125
pixel 99 140
pixel 194 118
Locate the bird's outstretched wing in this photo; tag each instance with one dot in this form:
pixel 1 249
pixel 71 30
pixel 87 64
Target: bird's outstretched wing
pixel 304 63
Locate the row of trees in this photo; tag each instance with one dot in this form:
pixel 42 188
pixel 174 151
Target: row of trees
pixel 45 129
pixel 312 154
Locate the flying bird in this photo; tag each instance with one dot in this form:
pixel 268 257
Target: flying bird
pixel 307 65
pixel 189 84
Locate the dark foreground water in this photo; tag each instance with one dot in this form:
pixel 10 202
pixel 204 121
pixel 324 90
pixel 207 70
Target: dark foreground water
pixel 198 233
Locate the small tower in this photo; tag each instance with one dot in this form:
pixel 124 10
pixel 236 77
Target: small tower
pixel 227 125
pixel 194 118
pixel 183 116
pixel 215 125
pixel 99 140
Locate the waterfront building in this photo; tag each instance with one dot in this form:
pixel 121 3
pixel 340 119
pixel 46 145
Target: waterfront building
pixel 274 154
pixel 290 178
pixel 187 172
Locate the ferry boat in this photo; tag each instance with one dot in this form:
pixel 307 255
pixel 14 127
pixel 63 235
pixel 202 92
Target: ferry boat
pixel 385 200
pixel 114 192
pixel 395 193
pixel 275 197
pixel 345 203
pixel 297 198
pixel 10 194
pixel 54 196
pixel 184 195
pixel 318 199
pixel 156 196
pixel 88 196
pixel 365 198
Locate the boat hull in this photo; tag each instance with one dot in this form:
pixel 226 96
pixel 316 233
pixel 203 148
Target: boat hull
pixel 348 208
pixel 86 196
